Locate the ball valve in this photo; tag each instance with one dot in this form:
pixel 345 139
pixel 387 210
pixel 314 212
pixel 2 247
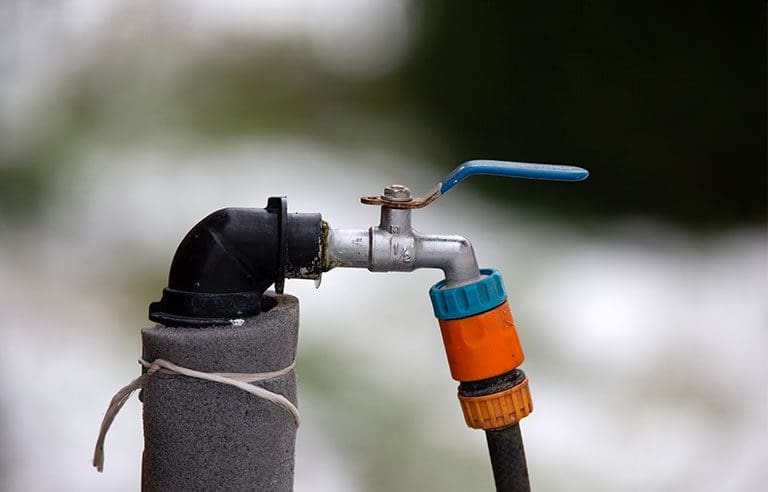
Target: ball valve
pixel 471 306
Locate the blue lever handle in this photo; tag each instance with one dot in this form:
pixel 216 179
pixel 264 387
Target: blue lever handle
pixel 507 169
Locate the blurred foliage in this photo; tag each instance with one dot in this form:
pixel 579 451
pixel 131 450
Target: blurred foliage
pixel 664 104
pixel 21 189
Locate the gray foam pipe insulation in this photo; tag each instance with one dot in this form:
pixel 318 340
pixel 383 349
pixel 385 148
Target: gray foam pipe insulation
pixel 215 317
pixel 203 435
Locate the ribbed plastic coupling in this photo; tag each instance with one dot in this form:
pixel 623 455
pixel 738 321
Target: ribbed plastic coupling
pixel 498 409
pixel 468 300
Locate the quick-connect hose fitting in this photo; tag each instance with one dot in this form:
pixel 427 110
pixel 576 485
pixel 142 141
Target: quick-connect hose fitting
pixel 482 346
pixel 477 327
pixel 498 409
pixel 483 351
pixel 468 300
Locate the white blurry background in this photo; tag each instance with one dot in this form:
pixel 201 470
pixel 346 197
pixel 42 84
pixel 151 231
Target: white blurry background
pixel 645 343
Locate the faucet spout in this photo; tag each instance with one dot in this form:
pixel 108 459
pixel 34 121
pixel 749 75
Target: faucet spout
pixel 394 246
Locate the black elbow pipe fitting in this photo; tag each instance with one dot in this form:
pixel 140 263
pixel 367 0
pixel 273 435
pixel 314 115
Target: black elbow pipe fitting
pixel 229 259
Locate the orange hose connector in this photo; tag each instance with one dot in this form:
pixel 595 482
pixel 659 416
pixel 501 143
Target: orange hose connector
pixel 482 346
pixel 498 409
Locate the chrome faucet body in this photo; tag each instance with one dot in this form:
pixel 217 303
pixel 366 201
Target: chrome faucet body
pixel 394 246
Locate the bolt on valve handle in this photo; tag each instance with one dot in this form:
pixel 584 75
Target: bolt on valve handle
pixel 476 323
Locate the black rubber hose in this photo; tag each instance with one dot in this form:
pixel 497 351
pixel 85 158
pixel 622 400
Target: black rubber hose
pixel 510 471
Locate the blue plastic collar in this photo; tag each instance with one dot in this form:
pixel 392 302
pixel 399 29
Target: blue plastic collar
pixel 468 300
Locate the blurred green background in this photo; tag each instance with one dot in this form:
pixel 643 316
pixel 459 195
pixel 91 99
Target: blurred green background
pixel 665 104
pixel 640 292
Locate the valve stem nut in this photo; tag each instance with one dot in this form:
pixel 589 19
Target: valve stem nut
pixel 397 193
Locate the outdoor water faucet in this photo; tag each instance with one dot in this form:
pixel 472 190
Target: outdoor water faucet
pixel 478 331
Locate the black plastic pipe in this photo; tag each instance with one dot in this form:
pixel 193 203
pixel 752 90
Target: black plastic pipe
pixel 229 259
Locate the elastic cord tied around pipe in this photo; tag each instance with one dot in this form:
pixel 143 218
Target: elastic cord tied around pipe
pixel 238 380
